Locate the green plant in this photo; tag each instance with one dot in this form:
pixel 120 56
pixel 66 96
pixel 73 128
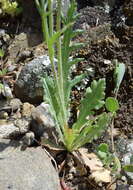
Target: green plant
pixel 8 7
pixel 109 160
pixel 1 87
pixel 1 53
pixel 3 72
pixel 128 168
pixel 58 87
pixel 118 75
pixel 112 104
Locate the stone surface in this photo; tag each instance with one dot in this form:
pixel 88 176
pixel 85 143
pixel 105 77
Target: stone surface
pixel 128 157
pixel 13 129
pixel 43 124
pixel 26 170
pixel 28 87
pixel 20 42
pixel 15 104
pixel 6 92
pixel 27 110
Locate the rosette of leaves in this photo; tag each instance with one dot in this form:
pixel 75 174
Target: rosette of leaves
pixel 57 88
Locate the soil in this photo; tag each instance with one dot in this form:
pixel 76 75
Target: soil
pixel 118 44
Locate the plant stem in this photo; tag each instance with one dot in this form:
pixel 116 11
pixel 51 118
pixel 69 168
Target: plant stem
pixel 47 32
pixel 112 137
pixel 50 8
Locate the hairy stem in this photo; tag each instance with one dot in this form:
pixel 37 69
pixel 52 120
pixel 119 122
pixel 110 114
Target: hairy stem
pixel 51 23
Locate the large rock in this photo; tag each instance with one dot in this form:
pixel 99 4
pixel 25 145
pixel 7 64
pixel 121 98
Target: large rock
pixel 29 87
pixel 26 170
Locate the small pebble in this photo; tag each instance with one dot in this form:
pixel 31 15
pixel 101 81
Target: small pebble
pixel 3 115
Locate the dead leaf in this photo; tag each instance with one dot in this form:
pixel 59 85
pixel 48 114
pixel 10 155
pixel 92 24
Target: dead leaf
pixel 98 172
pixel 101 176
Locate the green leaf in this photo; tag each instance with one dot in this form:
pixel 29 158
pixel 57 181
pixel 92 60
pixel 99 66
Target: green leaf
pixel 2 53
pixel 76 33
pixel 112 104
pixel 76 46
pixel 77 79
pixel 102 155
pixel 93 101
pixel 91 131
pixel 1 86
pixel 3 72
pixel 56 35
pixel 118 74
pixel 103 147
pixel 50 96
pixel 128 168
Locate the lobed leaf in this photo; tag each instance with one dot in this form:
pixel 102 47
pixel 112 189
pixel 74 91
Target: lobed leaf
pixel 91 130
pixel 93 101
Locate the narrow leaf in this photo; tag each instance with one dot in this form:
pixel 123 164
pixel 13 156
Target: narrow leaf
pixel 76 46
pixel 76 33
pixel 56 35
pixel 118 74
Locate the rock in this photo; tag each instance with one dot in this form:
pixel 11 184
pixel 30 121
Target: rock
pixel 43 124
pixel 42 115
pixel 7 129
pixel 13 129
pixel 27 110
pixel 124 148
pixel 10 106
pixel 20 42
pixel 29 87
pixel 122 187
pixel 28 139
pixel 130 147
pixel 3 115
pixel 127 160
pixel 6 92
pixel 15 104
pixel 26 170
